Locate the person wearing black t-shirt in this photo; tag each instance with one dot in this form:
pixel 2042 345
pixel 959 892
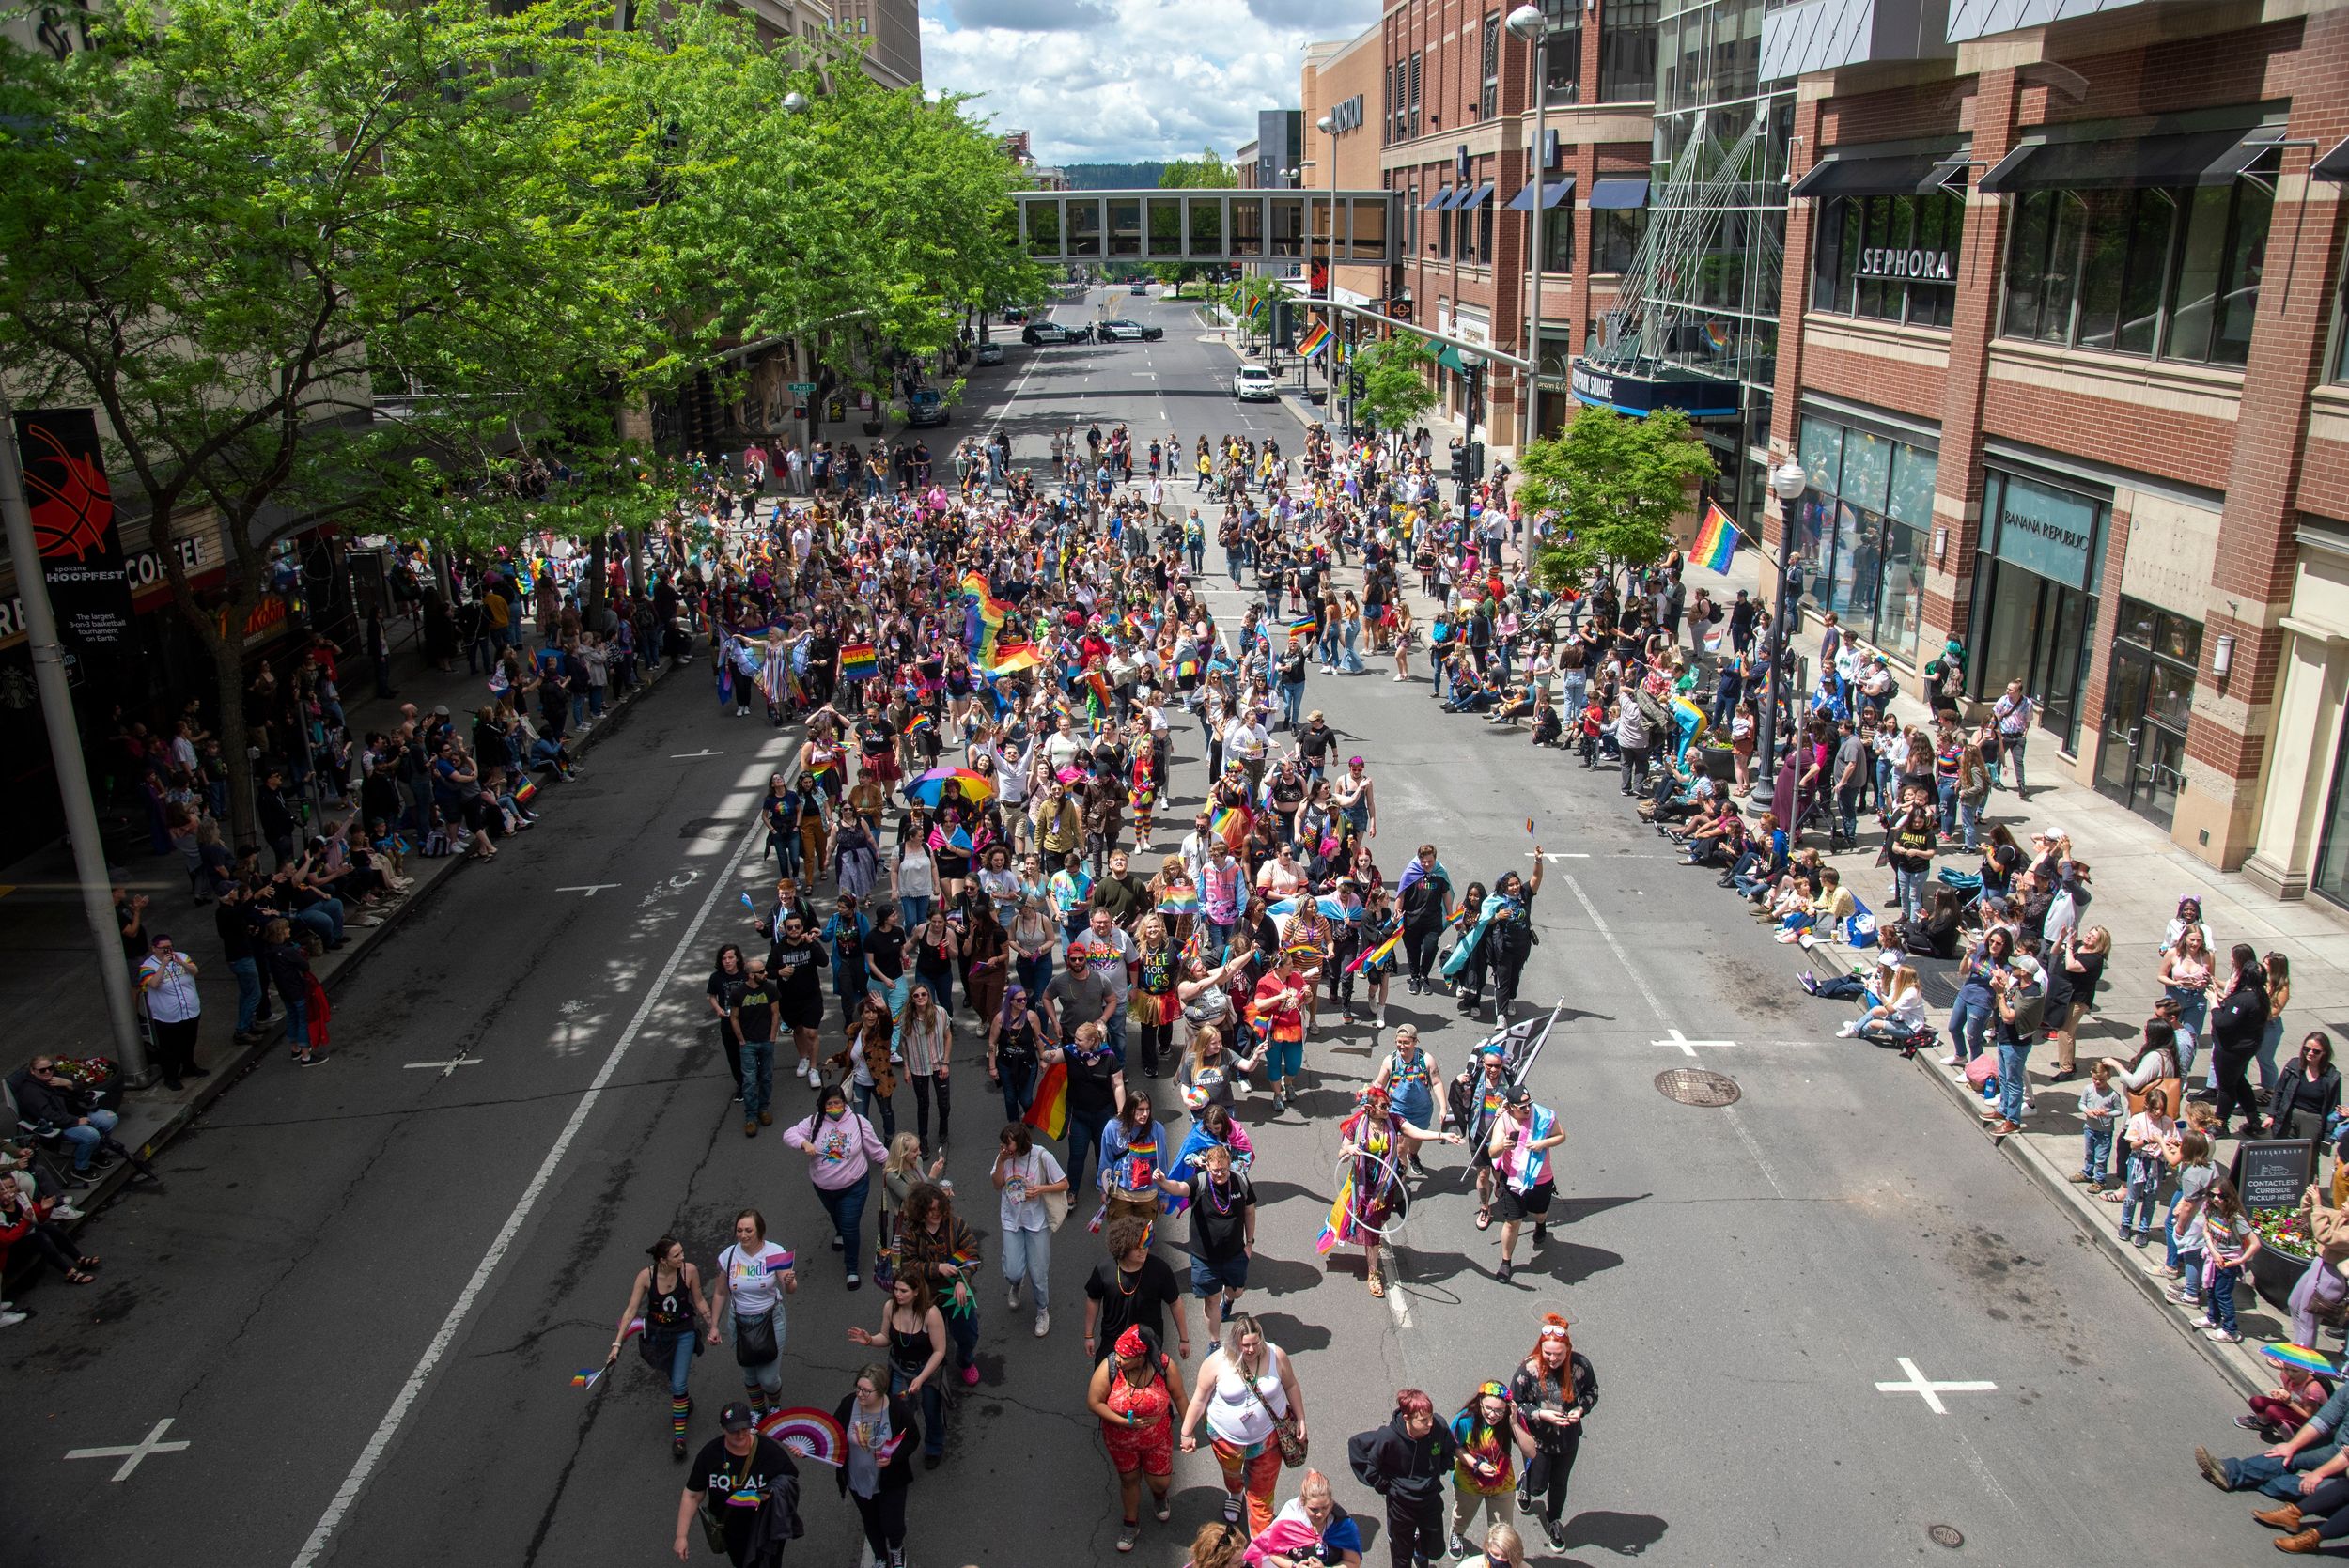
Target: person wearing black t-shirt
pixel 1131 1288
pixel 797 960
pixel 754 1026
pixel 734 1478
pixel 1223 1234
pixel 727 980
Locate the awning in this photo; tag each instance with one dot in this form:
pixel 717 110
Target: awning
pixel 2132 163
pixel 1440 200
pixel 1448 357
pixel 1843 175
pixel 1475 198
pixel 1618 193
pixel 2334 165
pixel 1553 191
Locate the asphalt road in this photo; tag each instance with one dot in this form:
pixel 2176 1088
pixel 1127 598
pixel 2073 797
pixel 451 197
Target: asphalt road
pixel 361 1299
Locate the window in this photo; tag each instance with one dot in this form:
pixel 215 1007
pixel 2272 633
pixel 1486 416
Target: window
pixel 2173 273
pixel 1414 96
pixel 1562 78
pixel 1890 258
pixel 1488 100
pixel 1386 105
pixel 2341 329
pixel 1615 234
pixel 1557 238
pixel 1860 530
pixel 1627 52
pixel 1443 231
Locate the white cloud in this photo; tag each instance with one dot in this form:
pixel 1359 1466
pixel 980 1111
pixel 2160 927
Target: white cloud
pixel 1153 79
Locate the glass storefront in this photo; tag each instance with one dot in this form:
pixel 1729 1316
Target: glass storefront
pixel 2149 692
pixel 1861 532
pixel 2330 875
pixel 2034 596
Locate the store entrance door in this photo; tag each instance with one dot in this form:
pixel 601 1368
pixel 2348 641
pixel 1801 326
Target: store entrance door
pixel 2140 760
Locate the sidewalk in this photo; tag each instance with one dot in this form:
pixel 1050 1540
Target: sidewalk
pixel 49 980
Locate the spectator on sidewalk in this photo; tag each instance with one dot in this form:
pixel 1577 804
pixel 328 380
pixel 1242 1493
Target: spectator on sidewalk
pixel 46 1099
pixel 174 1010
pixel 289 971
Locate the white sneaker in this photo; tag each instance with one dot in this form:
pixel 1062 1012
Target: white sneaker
pixel 9 1320
pixel 1043 1324
pixel 1399 679
pixel 1949 1061
pixel 1848 1031
pixel 63 1211
pixel 1011 1296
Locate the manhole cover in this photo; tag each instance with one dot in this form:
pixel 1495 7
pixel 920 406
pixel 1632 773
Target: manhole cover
pixel 1946 1535
pixel 1695 1086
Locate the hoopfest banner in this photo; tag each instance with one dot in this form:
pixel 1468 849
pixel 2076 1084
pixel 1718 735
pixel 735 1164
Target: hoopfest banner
pixel 73 525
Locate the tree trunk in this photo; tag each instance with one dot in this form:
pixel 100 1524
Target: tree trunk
pixel 235 747
pixel 635 561
pixel 592 601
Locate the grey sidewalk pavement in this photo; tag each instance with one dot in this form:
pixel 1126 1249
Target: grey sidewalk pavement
pixel 49 981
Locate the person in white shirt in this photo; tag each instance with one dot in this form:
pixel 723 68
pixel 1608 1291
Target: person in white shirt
pixel 753 1277
pixel 168 980
pixel 1024 1174
pixel 1901 1017
pixel 1246 741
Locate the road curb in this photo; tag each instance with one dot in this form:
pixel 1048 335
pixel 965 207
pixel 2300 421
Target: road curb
pixel 233 1067
pixel 2236 1363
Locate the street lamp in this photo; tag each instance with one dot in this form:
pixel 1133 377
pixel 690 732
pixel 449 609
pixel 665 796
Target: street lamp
pixel 1329 127
pixel 1787 482
pixel 1472 370
pixel 803 357
pixel 1527 21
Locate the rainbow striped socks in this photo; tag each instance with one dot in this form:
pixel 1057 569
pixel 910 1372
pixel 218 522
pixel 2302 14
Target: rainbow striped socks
pixel 680 1407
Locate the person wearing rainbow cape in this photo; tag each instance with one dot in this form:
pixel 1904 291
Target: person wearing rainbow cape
pixel 1371 1193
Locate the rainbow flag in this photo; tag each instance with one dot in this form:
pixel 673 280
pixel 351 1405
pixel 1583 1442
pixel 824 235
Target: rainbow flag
pixel 1099 685
pixel 1333 1228
pixel 1316 337
pixel 1049 1112
pixel 1377 954
pixel 921 722
pixel 1231 825
pixel 1260 310
pixel 1716 540
pixel 527 793
pixel 586 1377
pixel 1179 901
pixel 856 662
pixel 1304 626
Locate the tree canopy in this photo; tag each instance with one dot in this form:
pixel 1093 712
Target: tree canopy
pixel 1396 391
pixel 1614 485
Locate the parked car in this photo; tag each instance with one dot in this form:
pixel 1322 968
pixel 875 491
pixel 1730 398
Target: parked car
pixel 1045 331
pixel 990 352
pixel 1253 383
pixel 1013 315
pixel 927 406
pixel 1112 329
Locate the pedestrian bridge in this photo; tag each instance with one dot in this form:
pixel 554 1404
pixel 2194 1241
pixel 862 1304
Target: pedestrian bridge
pixel 1227 225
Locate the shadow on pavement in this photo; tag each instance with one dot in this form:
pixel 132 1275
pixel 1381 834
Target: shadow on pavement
pixel 1625 1534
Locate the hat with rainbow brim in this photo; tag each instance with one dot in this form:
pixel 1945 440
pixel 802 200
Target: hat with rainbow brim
pixel 2299 1358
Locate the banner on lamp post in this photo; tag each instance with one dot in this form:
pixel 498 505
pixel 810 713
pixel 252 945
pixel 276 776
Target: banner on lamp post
pixel 73 525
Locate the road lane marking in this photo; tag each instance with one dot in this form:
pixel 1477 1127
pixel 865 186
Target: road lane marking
pixel 1930 1392
pixel 447 1068
pixel 133 1454
pixel 1687 1047
pixel 590 889
pixel 683 756
pixel 372 1455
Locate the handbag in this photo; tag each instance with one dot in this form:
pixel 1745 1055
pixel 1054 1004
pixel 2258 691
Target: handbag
pixel 1284 1433
pixel 2165 1091
pixel 755 1339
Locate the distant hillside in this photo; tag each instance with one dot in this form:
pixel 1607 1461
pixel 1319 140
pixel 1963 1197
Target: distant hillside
pixel 1113 176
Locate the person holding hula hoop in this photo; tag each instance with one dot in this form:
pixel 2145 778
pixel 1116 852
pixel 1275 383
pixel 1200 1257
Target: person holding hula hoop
pixel 1369 1156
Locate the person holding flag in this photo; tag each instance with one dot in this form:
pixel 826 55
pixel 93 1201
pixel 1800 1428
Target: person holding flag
pixel 1518 1145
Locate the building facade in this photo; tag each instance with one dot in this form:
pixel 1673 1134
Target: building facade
pixel 1452 118
pixel 891 33
pixel 2061 349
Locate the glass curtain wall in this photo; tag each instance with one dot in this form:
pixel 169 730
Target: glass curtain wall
pixel 1861 529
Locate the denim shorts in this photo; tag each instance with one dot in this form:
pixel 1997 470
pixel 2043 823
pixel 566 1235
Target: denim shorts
pixel 1209 1276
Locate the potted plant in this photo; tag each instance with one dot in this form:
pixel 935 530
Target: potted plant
pixel 2286 1250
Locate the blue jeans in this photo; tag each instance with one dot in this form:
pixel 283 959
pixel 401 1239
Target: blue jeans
pixel 249 993
pixel 1084 1141
pixel 845 1210
pixel 1028 1255
pixel 298 1023
pixel 1910 886
pixel 864 1099
pixel 766 1375
pixel 2193 1008
pixel 2140 1202
pixel 1352 663
pixel 2096 1141
pixel 1967 1020
pixel 2271 1038
pixel 933 1397
pixel 681 1364
pixel 1970 824
pixel 2222 1296
pixel 1019 1085
pixel 2275 1478
pixel 1293 703
pixel 85 1137
pixel 2012 1059
pixel 1034 974
pixel 758 1076
pixel 915 911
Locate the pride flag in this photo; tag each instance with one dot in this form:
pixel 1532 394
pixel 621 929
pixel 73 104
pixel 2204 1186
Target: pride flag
pixel 1049 1112
pixel 921 722
pixel 856 662
pixel 1231 825
pixel 1333 1229
pixel 1304 626
pixel 1716 540
pixel 1377 954
pixel 1316 337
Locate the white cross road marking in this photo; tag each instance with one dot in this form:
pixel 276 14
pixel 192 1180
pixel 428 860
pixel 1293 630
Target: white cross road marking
pixel 675 756
pixel 448 1067
pixel 590 889
pixel 134 1454
pixel 1554 856
pixel 1685 1046
pixel 1930 1392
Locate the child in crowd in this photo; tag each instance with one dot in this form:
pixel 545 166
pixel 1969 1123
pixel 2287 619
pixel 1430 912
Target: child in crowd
pixel 2150 1134
pixel 2101 1105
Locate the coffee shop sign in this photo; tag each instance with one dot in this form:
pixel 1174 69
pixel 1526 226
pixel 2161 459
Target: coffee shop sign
pixel 1918 266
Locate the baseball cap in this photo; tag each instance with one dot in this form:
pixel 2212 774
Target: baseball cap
pixel 1518 1094
pixel 441 712
pixel 734 1416
pixel 2025 962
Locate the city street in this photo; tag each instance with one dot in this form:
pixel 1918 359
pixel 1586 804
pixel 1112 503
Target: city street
pixel 361 1299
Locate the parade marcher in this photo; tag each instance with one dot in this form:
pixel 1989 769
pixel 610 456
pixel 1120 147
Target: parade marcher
pixel 1248 1394
pixel 1130 1286
pixel 727 979
pixel 1409 1075
pixel 1223 1234
pixel 1310 1529
pixel 1522 1136
pixel 1279 1010
pixel 842 1152
pixel 1423 898
pixel 1025 1175
pixel 1555 1390
pixel 1492 1440
pixel 1407 1462
pixel 1134 1393
pixel 1373 1194
pixel 753 1277
pixel 913 1331
pixel 1135 1162
pixel 745 1490
pixel 669 1294
pixel 934 1244
pixel 877 1469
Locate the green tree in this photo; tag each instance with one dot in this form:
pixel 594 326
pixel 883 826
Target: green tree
pixel 1207 172
pixel 1396 391
pixel 1614 485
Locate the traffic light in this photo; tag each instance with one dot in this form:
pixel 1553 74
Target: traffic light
pixel 1475 460
pixel 1460 464
pixel 1354 383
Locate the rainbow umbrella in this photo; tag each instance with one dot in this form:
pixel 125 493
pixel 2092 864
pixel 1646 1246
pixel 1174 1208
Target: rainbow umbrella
pixel 975 788
pixel 2299 1358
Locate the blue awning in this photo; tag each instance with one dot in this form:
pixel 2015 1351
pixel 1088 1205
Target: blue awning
pixel 1553 191
pixel 1440 201
pixel 2334 165
pixel 1475 198
pixel 1618 192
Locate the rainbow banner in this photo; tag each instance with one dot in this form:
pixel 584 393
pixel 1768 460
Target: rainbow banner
pixel 1716 540
pixel 1316 338
pixel 1260 310
pixel 921 722
pixel 1231 825
pixel 858 662
pixel 1333 1229
pixel 1049 1112
pixel 1303 627
pixel 1377 954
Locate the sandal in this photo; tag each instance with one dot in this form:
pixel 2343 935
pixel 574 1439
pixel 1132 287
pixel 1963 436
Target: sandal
pixel 90 1264
pixel 1485 1219
pixel 2110 1195
pixel 1377 1286
pixel 75 1277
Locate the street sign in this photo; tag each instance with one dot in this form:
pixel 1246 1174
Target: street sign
pixel 801 389
pixel 2271 1173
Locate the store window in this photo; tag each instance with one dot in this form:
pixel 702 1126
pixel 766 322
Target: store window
pixel 1860 530
pixel 1627 52
pixel 2329 875
pixel 1890 258
pixel 2149 692
pixel 1557 238
pixel 2173 273
pixel 1561 76
pixel 2034 596
pixel 1615 235
pixel 1489 98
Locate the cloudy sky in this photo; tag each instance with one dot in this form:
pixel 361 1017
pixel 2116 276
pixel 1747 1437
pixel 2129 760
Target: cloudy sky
pixel 1114 80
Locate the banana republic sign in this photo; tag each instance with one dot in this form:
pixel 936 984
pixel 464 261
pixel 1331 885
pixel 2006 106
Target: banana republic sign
pixel 1914 266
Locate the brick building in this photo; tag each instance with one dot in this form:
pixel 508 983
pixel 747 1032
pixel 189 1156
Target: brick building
pixel 2062 351
pixel 1446 121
